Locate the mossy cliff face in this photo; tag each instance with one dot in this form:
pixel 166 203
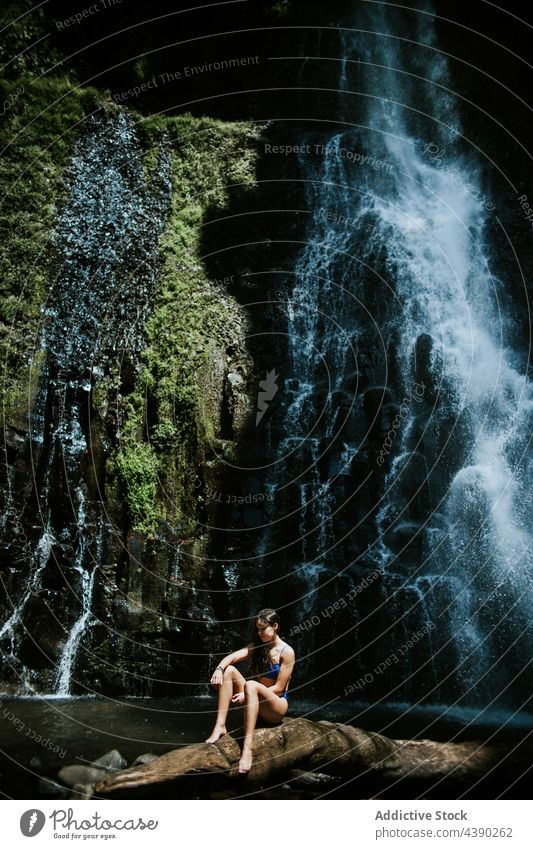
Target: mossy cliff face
pixel 40 122
pixel 176 408
pixel 181 418
pixel 118 412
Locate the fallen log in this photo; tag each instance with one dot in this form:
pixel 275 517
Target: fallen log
pixel 328 747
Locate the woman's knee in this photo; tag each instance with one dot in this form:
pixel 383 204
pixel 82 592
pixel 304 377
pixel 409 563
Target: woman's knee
pixel 250 688
pixel 230 671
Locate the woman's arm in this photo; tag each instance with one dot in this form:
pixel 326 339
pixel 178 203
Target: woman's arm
pixel 217 677
pixel 285 671
pixel 235 657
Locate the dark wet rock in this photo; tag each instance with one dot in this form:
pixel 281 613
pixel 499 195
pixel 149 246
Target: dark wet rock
pixel 303 778
pixel 427 367
pixel 80 774
pixel 355 382
pixel 144 759
pixel 374 399
pixel 111 760
pixel 405 537
pixel 252 517
pixel 82 791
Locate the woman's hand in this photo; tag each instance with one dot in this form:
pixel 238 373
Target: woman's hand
pixel 238 699
pixel 217 678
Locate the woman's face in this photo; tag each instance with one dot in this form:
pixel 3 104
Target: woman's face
pixel 266 631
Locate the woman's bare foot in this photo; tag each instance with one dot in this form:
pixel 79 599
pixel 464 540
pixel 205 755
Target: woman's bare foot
pixel 217 732
pixel 245 763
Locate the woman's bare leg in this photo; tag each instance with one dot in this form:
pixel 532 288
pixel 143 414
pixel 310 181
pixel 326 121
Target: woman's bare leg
pixel 251 711
pixel 258 699
pixel 233 683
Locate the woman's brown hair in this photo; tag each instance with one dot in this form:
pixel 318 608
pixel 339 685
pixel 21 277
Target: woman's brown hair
pixel 259 661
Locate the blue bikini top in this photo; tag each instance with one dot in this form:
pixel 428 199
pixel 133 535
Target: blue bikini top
pixel 273 669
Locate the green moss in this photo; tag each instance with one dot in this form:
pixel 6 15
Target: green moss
pixel 36 137
pixel 137 467
pixel 191 311
pixel 209 156
pixel 282 8
pixel 191 316
pixel 24 40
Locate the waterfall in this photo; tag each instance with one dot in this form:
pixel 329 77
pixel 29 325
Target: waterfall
pixel 86 586
pixel 9 632
pixel 106 242
pixel 405 411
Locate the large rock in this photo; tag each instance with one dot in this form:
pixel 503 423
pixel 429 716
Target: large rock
pixel 74 774
pixel 111 760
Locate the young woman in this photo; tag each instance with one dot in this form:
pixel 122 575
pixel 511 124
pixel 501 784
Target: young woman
pixel 265 694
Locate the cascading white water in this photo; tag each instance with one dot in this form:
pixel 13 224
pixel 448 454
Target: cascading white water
pixel 396 261
pixel 433 225
pixel 86 586
pixel 9 630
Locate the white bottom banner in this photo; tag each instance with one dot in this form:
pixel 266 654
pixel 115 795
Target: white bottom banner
pixel 357 823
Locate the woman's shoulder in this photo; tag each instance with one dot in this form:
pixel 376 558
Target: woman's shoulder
pixel 287 650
